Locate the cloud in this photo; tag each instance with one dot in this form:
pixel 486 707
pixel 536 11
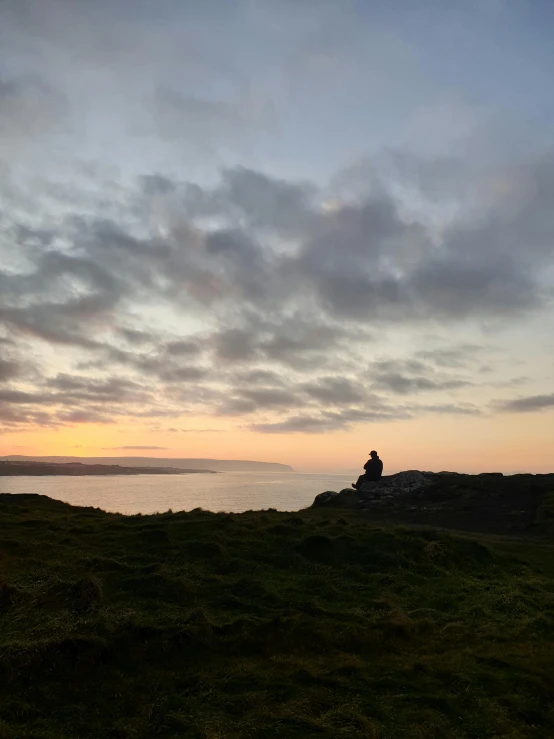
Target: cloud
pixel 17 417
pixel 527 405
pixel 453 286
pixel 8 370
pixel 209 123
pixel 266 203
pixel 137 337
pixel 422 373
pixel 266 377
pixel 55 301
pixel 453 357
pixel 29 108
pixel 234 345
pixel 85 416
pixel 252 400
pixel 297 424
pixel 196 431
pixel 301 340
pixel 248 299
pixel 335 391
pixel 134 447
pixel 112 389
pixel 329 421
pixel 461 409
pixel 162 362
pixel 22 397
pixel 183 348
pixel 369 263
pixel 404 385
pixel 362 263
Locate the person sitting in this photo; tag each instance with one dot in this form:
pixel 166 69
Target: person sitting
pixel 373 471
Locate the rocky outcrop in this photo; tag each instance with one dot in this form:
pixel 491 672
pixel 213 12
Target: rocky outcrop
pixel 402 482
pixel 490 502
pixel 386 489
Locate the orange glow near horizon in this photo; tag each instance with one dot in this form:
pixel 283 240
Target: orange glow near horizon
pixel 464 444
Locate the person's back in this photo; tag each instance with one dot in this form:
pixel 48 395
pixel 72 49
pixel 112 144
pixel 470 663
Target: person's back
pixel 373 468
pixel 373 471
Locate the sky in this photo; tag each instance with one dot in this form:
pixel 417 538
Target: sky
pixel 277 230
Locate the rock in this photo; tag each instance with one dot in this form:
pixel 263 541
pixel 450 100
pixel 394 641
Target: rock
pixel 323 498
pixel 402 482
pixel 383 491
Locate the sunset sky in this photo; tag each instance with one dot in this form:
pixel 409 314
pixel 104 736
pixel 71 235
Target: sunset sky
pixel 289 231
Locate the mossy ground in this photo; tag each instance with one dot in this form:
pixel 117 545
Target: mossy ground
pixel 266 624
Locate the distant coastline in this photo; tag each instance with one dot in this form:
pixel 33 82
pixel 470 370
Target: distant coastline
pixel 189 464
pixel 16 468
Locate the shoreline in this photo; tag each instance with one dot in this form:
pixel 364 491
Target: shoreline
pixel 78 469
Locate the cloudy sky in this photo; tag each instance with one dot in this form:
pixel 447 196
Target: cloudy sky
pixel 289 231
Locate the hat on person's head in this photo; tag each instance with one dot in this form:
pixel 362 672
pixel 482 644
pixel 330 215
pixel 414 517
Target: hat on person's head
pixel 373 453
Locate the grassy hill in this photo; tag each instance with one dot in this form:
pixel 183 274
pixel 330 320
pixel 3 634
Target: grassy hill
pixel 321 623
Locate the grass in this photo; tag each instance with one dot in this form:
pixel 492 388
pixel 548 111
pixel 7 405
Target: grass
pixel 267 624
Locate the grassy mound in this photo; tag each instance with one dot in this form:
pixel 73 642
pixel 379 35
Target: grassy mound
pixel 267 624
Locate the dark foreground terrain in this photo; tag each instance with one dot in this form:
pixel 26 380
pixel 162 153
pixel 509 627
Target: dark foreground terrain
pixel 322 623
pixel 486 503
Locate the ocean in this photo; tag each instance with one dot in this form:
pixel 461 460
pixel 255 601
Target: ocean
pixel 225 491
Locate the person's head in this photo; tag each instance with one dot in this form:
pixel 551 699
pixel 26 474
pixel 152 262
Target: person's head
pixel 373 454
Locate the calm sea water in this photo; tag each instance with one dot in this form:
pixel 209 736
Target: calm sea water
pixel 226 491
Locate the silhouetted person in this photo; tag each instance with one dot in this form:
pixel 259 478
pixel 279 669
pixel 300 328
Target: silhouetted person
pixel 373 471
